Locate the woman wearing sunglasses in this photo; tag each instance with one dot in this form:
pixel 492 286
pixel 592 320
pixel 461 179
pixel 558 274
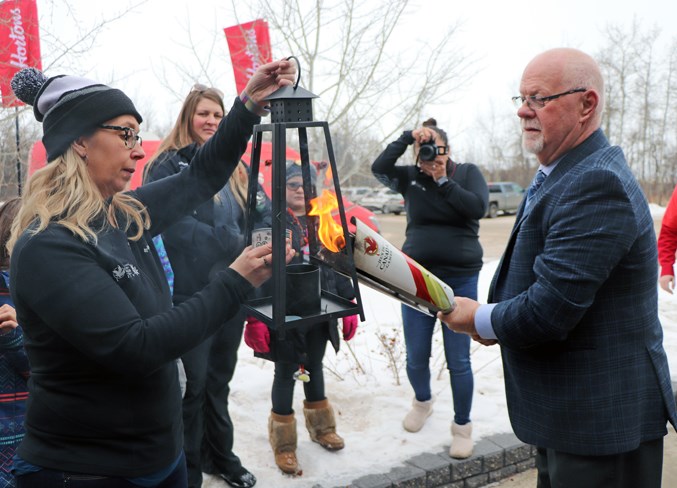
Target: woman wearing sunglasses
pixel 298 353
pixel 444 201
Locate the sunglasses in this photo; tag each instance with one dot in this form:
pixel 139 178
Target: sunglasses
pixel 200 88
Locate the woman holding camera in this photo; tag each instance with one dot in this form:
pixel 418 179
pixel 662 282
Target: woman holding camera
pixel 444 201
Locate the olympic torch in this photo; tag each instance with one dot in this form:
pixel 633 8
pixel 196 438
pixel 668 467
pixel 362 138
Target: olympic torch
pixel 379 264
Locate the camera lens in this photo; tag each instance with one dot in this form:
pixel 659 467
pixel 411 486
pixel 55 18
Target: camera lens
pixel 427 151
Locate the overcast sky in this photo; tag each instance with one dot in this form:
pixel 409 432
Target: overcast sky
pixel 503 36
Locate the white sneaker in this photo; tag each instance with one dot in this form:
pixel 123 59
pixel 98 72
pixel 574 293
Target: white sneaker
pixel 461 441
pixel 419 413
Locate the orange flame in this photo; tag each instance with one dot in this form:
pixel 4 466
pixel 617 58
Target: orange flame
pixel 329 232
pixel 328 177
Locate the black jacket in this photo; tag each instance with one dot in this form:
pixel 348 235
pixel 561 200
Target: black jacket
pixel 442 221
pixel 211 236
pixel 101 333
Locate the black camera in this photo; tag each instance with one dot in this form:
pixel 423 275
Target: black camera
pixel 429 150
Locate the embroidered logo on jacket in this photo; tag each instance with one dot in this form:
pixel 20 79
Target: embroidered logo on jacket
pixel 122 270
pixel 417 185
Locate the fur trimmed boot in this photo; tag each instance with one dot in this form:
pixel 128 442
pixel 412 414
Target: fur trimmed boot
pixel 282 436
pixel 419 413
pixel 461 441
pixel 321 424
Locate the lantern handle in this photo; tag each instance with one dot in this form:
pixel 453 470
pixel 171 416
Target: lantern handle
pixel 298 65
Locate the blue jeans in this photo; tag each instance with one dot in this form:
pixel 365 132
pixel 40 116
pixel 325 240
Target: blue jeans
pixel 418 335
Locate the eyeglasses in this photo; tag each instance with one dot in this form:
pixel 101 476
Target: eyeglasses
pixel 200 88
pixel 534 102
pixel 294 185
pixel 131 136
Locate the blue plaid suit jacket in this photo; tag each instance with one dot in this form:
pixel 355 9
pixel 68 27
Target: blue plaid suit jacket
pixel 577 315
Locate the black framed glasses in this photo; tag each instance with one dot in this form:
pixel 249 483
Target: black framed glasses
pixel 131 136
pixel 534 102
pixel 200 88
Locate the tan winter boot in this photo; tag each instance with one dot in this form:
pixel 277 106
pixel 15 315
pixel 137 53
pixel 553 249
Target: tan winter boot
pixel 321 424
pixel 461 441
pixel 419 413
pixel 282 436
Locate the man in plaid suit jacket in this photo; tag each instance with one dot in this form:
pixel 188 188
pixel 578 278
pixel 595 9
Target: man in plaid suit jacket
pixel 573 303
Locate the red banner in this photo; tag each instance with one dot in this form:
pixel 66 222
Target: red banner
pixel 249 46
pixel 19 43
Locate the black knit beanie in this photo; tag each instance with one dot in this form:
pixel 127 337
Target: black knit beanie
pixel 69 106
pixel 294 169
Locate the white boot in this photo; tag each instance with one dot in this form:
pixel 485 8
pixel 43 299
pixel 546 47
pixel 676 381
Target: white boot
pixel 461 441
pixel 419 413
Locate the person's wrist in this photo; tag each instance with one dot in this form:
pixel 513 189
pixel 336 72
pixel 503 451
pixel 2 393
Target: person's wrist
pixel 441 181
pixel 252 106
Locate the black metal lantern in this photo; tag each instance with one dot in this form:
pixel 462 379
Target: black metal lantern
pixel 291 108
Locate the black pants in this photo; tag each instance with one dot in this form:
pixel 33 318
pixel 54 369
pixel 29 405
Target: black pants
pixel 207 427
pixel 49 478
pixel 642 467
pixel 282 394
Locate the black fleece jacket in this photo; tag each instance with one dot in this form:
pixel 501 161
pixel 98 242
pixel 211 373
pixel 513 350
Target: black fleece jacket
pixel 442 221
pixel 211 236
pixel 100 332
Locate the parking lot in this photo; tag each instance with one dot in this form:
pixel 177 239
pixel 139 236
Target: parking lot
pixel 494 233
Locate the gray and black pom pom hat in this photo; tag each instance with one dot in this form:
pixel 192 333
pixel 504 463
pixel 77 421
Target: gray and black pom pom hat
pixel 69 106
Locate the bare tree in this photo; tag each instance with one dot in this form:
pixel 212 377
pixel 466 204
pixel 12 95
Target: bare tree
pixel 640 87
pixel 500 149
pixel 640 73
pixel 368 89
pixel 617 61
pixel 61 51
pixel 666 152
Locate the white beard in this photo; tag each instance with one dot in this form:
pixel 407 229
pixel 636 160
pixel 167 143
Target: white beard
pixel 532 145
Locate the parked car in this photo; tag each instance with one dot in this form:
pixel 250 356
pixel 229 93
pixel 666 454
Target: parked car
pixel 356 193
pixel 385 201
pixel 504 196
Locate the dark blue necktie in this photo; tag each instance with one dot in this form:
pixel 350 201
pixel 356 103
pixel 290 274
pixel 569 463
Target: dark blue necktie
pixel 535 185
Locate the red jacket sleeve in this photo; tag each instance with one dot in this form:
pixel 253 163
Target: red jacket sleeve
pixel 667 239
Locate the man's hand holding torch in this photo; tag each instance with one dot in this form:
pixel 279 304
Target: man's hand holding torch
pixel 462 319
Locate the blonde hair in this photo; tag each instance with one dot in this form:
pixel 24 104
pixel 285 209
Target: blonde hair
pixel 64 193
pixel 182 134
pixel 239 184
pixel 8 212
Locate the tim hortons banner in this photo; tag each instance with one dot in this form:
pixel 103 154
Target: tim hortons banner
pixel 19 43
pixel 249 46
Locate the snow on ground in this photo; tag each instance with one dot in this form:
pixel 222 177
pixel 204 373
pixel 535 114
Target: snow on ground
pixel 367 385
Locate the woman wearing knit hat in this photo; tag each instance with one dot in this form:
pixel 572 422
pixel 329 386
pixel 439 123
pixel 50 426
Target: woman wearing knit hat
pixel 298 353
pixel 90 292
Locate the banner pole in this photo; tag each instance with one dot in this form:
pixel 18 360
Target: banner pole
pixel 18 158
